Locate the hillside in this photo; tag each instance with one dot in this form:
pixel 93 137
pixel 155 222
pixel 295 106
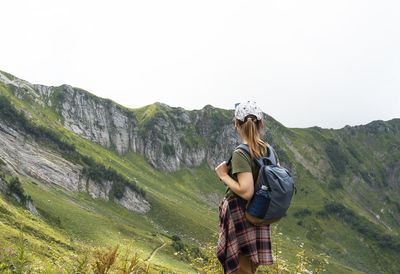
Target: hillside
pixel 99 173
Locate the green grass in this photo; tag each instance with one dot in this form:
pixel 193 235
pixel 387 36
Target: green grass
pixel 99 224
pixel 44 239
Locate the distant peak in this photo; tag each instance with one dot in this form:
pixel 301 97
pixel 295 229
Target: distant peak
pixel 208 107
pixel 159 104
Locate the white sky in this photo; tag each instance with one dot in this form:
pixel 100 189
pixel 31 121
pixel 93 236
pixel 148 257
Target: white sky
pixel 324 63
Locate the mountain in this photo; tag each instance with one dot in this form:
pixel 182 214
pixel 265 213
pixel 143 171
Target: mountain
pixel 98 173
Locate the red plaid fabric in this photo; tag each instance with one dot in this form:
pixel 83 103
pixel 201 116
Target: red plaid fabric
pixel 237 235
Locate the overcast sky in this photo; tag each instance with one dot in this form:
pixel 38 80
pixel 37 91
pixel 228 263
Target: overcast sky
pixel 307 63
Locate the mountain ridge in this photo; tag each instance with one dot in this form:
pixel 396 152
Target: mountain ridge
pixel 359 164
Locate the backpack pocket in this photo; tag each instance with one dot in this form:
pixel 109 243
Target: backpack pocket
pixel 259 204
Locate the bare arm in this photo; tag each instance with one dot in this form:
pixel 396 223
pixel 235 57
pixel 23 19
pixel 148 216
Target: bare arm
pixel 245 185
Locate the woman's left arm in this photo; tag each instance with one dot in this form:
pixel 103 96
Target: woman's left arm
pixel 244 187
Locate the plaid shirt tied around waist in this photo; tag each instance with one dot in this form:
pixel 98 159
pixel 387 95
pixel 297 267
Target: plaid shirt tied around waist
pixel 237 235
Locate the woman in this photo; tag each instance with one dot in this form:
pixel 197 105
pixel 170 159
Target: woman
pixel 242 247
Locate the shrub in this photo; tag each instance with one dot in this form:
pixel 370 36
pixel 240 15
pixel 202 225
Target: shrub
pixel 335 184
pixel 118 189
pixel 175 238
pixel 397 206
pixel 300 223
pixel 178 246
pixel 104 260
pixel 2 163
pixel 336 156
pixel 169 150
pixel 15 187
pixel 302 213
pixel 177 243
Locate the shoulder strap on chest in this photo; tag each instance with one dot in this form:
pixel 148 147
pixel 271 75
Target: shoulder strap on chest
pixel 260 162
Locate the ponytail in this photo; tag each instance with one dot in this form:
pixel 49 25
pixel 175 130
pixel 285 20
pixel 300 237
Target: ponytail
pixel 250 129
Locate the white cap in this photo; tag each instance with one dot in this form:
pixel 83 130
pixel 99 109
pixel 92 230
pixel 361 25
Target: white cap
pixel 248 108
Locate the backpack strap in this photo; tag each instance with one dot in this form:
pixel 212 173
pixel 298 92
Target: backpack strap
pixel 260 162
pixel 271 155
pixel 246 148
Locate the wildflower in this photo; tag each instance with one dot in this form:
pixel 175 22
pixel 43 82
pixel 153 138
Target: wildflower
pixel 10 249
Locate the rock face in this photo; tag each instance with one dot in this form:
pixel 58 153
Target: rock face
pixel 96 120
pixel 107 124
pixel 24 156
pixel 29 205
pixel 132 201
pixel 167 137
pixel 98 189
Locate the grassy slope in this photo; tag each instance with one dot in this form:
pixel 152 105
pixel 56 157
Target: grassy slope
pixel 332 235
pixel 172 203
pixel 109 224
pixel 177 208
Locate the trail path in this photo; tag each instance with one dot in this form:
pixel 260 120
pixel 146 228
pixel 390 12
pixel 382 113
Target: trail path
pixel 155 250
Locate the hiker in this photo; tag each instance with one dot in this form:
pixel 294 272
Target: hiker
pixel 242 246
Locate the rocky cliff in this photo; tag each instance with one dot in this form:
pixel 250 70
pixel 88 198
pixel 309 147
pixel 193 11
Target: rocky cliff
pixel 159 134
pixel 24 156
pixel 167 137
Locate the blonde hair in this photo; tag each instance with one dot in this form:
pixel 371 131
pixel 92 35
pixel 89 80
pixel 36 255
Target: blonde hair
pixel 250 129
